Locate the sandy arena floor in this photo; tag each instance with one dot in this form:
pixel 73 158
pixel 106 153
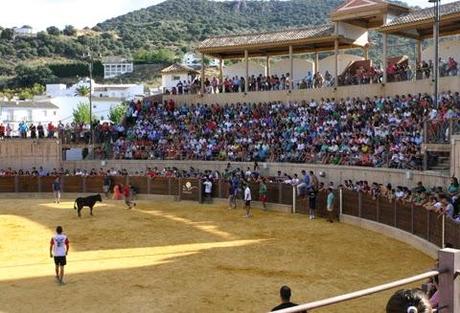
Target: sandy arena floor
pixel 185 257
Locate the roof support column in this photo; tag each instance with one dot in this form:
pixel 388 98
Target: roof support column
pixel 221 74
pixel 385 58
pixel 267 66
pixel 419 51
pixel 336 62
pixel 316 62
pixel 246 78
pixel 366 52
pixel 202 74
pixel 291 69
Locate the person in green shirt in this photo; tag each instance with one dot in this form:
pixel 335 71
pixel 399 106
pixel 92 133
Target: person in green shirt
pixel 330 205
pixel 263 193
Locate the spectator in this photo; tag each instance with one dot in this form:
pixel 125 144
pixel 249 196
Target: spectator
pixel 285 295
pixel 410 301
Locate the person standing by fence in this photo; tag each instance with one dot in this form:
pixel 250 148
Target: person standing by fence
pixel 247 200
pixel 330 205
pixel 56 187
pixel 263 193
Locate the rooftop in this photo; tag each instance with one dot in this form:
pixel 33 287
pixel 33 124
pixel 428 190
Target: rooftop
pixel 115 59
pixel 28 104
pixel 178 68
pixel 280 37
pixel 426 14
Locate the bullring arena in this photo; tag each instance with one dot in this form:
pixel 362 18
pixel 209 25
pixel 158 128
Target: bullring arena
pixel 360 181
pixel 186 257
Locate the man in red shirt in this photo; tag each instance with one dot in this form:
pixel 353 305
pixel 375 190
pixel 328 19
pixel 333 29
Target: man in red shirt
pixel 128 194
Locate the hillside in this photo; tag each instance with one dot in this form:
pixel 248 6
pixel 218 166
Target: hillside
pixel 180 23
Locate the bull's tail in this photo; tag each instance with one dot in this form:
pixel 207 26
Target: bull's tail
pixel 75 205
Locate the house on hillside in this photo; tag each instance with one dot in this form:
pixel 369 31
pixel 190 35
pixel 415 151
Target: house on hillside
pixel 115 66
pixel 176 73
pixel 24 31
pixel 118 91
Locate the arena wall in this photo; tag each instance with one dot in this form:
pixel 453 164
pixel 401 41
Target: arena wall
pixel 336 174
pixel 370 90
pixel 20 153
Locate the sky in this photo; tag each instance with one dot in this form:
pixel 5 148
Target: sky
pixel 80 13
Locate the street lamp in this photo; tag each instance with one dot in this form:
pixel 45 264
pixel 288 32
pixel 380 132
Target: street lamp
pixel 436 47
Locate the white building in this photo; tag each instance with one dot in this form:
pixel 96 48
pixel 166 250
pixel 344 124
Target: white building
pixel 119 91
pixel 194 60
pixel 30 111
pixel 171 75
pixel 24 31
pixel 115 66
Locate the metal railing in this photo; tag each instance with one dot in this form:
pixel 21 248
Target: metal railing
pixel 359 293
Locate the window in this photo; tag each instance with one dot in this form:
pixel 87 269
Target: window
pixel 176 77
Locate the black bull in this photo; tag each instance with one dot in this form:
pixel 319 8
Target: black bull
pixel 86 201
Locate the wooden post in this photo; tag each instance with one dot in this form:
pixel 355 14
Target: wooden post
pixel 449 284
pixel 202 74
pixel 366 52
pixel 385 58
pixel 246 78
pixel 291 63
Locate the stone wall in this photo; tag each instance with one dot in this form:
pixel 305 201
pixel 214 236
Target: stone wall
pixel 26 153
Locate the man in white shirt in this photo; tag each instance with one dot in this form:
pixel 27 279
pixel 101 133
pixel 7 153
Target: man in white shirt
pixel 247 201
pixel 207 189
pixel 59 247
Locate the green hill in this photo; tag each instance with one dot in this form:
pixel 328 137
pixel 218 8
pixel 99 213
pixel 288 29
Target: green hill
pixel 157 34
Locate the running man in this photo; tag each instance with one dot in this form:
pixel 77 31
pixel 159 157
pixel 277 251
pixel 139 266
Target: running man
pixel 59 248
pixel 56 186
pixel 247 201
pixel 128 193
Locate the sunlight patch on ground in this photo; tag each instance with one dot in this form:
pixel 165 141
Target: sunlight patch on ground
pixel 66 205
pixel 104 260
pixel 203 226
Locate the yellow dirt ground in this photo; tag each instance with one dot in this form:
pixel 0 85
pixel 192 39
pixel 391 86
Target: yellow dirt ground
pixel 185 257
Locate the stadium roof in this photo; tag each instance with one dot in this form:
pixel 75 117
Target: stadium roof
pixel 419 23
pixel 305 39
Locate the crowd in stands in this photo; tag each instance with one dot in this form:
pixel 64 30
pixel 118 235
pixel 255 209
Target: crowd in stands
pixel 378 132
pixel 397 71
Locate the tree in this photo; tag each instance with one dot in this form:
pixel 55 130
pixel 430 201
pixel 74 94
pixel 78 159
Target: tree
pixel 69 30
pixel 7 34
pixel 118 112
pixel 27 76
pixel 53 30
pixel 81 113
pixel 82 91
